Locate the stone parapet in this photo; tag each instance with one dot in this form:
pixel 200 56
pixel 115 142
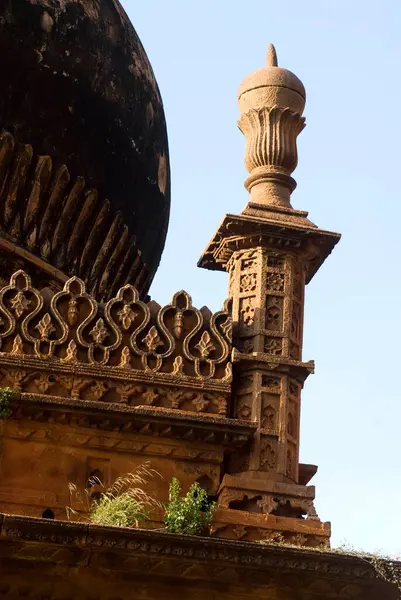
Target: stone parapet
pixel 66 344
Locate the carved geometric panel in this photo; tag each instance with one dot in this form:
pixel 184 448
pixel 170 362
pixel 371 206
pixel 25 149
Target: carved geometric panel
pixel 249 260
pixel 268 453
pixel 291 460
pixel 294 389
pixel 269 412
pixel 298 281
pixel 244 407
pixel 275 260
pixel 292 426
pixel 246 345
pixel 274 313
pixel 246 380
pixel 271 383
pixel 296 320
pixel 247 313
pixel 294 350
pixel 248 282
pixel 275 281
pixel 273 345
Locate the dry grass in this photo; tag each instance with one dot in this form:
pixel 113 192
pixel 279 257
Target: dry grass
pixel 124 504
pixel 386 567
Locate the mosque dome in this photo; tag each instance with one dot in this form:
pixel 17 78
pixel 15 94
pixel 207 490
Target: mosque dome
pixel 84 165
pixel 272 86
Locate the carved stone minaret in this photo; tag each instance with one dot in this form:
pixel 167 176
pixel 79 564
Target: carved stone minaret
pixel 271 252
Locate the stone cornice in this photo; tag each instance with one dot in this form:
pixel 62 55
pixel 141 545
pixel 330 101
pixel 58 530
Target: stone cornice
pixel 282 229
pixel 76 544
pixel 301 370
pixel 142 420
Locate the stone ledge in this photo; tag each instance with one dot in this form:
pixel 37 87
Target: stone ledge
pixel 165 422
pixel 243 231
pixel 17 532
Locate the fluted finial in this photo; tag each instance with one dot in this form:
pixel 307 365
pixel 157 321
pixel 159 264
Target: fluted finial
pixel 271 58
pixel 271 102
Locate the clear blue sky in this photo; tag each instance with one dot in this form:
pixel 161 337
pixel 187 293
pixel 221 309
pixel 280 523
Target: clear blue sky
pixel 348 54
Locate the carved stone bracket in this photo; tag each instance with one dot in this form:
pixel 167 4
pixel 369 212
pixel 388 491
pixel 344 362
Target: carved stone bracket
pixel 245 493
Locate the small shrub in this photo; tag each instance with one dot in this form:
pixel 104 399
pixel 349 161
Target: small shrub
pixel 119 511
pixel 188 515
pixel 123 504
pixel 6 395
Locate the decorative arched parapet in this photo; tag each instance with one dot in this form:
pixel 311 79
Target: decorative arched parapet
pixel 124 351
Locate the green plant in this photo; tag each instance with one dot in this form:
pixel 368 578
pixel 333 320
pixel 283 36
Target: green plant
pixel 6 395
pixel 124 504
pixel 190 514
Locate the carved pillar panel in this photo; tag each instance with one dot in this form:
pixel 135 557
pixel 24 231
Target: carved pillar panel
pixel 293 416
pixel 267 288
pixel 245 268
pixel 297 298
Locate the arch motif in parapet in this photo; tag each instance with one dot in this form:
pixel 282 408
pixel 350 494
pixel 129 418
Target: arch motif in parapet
pixel 71 327
pixel 201 338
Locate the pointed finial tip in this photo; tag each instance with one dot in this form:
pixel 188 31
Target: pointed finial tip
pixel 271 59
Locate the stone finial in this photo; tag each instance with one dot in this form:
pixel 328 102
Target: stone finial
pixel 271 102
pixel 271 58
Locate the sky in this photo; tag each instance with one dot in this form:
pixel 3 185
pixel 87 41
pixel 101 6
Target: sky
pixel 348 55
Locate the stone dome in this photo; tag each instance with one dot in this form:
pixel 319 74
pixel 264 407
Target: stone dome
pixel 85 123
pixel 272 86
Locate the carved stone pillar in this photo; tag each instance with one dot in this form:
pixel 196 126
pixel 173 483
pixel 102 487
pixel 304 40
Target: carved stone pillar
pixel 267 288
pixel 271 252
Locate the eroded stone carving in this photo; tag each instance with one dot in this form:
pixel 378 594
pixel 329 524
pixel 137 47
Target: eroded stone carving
pixel 29 210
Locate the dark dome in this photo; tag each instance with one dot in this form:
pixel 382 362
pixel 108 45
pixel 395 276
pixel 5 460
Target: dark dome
pixel 77 88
